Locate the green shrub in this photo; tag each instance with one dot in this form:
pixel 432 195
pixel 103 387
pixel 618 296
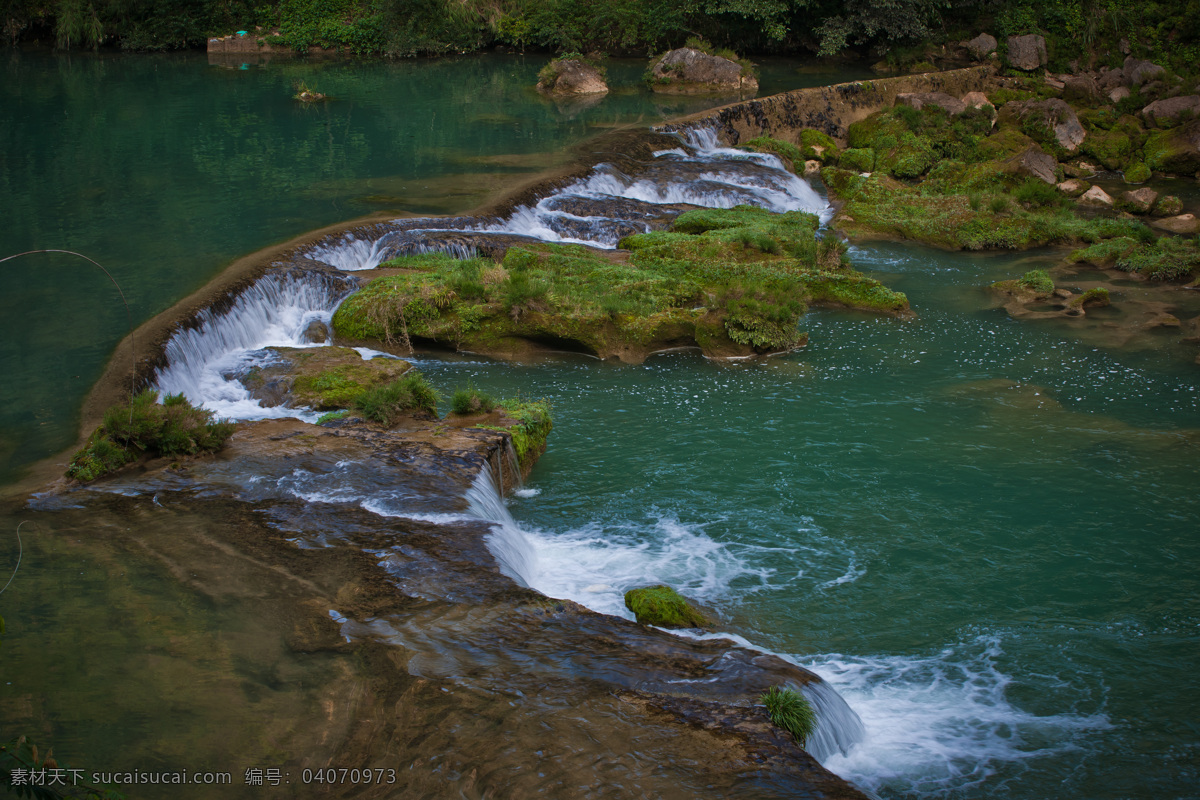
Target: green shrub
pixel 664 607
pixel 975 201
pixel 472 401
pixel 791 711
pixel 389 402
pixel 1038 194
pixel 1038 280
pixel 998 204
pixel 144 426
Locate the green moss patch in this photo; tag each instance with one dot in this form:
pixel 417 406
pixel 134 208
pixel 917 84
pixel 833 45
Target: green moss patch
pixel 529 423
pixel 720 278
pixel 664 607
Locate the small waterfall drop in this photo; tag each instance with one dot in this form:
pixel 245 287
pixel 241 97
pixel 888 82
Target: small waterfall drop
pixel 513 551
pixel 274 311
pixel 838 727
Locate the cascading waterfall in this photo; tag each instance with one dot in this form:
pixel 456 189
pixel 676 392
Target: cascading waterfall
pixel 838 727
pixel 274 311
pixel 508 543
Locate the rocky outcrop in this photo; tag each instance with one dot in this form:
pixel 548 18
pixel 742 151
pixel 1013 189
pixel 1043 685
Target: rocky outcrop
pixel 1081 89
pixel 324 378
pixel 1167 111
pixel 690 71
pixel 1027 52
pixel 1050 121
pixel 568 77
pixel 1176 150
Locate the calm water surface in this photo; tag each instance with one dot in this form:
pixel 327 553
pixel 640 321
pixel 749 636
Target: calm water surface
pixel 983 532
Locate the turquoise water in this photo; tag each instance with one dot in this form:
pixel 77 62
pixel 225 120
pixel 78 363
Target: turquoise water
pixel 981 531
pixel 164 168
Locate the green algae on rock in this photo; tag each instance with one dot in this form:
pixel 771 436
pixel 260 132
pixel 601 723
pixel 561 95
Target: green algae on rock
pixel 663 607
pixel 733 282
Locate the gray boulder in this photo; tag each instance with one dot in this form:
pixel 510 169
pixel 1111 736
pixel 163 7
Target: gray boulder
pixel 1167 111
pixel 1111 78
pixel 1138 71
pixel 688 71
pixel 1053 115
pixel 1139 201
pixel 981 46
pixel 1027 52
pixel 1032 162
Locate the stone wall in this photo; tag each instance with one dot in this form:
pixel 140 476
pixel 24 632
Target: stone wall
pixel 829 109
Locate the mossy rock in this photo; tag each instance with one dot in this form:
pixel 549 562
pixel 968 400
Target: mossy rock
pixel 818 146
pixel 1113 149
pixel 1168 206
pixel 1176 150
pixel 1097 297
pixel 1137 173
pixel 857 159
pixel 663 607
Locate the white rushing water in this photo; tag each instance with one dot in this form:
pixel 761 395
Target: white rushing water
pixel 274 311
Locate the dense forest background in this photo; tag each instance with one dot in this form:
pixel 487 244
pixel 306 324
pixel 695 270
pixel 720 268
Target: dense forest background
pixel 890 29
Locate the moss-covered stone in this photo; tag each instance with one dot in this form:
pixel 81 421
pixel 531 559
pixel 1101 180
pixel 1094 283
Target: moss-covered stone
pixel 744 271
pixel 1176 150
pixel 1097 297
pixel 529 423
pixel 1137 172
pixel 857 159
pixel 663 607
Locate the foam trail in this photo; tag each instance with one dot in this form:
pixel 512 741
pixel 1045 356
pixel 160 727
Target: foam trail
pixel 274 311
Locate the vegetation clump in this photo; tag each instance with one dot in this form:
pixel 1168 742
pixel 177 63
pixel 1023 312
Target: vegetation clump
pixel 143 426
pixel 1097 297
pixel 791 711
pixel 472 401
pixel 1037 280
pixel 529 423
pixel 664 607
pixel 389 402
pixel 720 278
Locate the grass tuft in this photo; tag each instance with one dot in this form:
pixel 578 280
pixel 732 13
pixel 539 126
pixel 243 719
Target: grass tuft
pixel 791 711
pixel 386 404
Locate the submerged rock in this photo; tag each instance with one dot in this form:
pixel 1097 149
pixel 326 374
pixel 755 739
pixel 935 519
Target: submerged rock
pixel 690 71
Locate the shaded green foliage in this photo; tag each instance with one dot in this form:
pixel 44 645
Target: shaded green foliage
pixel 389 402
pixel 144 426
pixel 791 711
pixel 664 607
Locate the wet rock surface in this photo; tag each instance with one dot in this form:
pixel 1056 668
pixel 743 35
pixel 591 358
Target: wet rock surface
pixel 569 77
pixel 426 627
pixel 690 71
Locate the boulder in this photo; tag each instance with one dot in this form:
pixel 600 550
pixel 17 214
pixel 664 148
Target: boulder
pixel 689 71
pixel 1171 109
pixel 1139 201
pixel 1054 82
pixel 1027 52
pixel 1096 196
pixel 1112 79
pixel 1139 71
pixel 1054 116
pixel 570 76
pixel 1184 224
pixel 1032 162
pixel 1081 89
pixel 981 46
pixel 317 332
pixel 919 100
pixel 1168 206
pixel 1074 187
pixel 1118 94
pixel 663 607
pixel 812 167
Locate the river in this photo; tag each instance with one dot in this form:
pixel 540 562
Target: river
pixel 981 531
